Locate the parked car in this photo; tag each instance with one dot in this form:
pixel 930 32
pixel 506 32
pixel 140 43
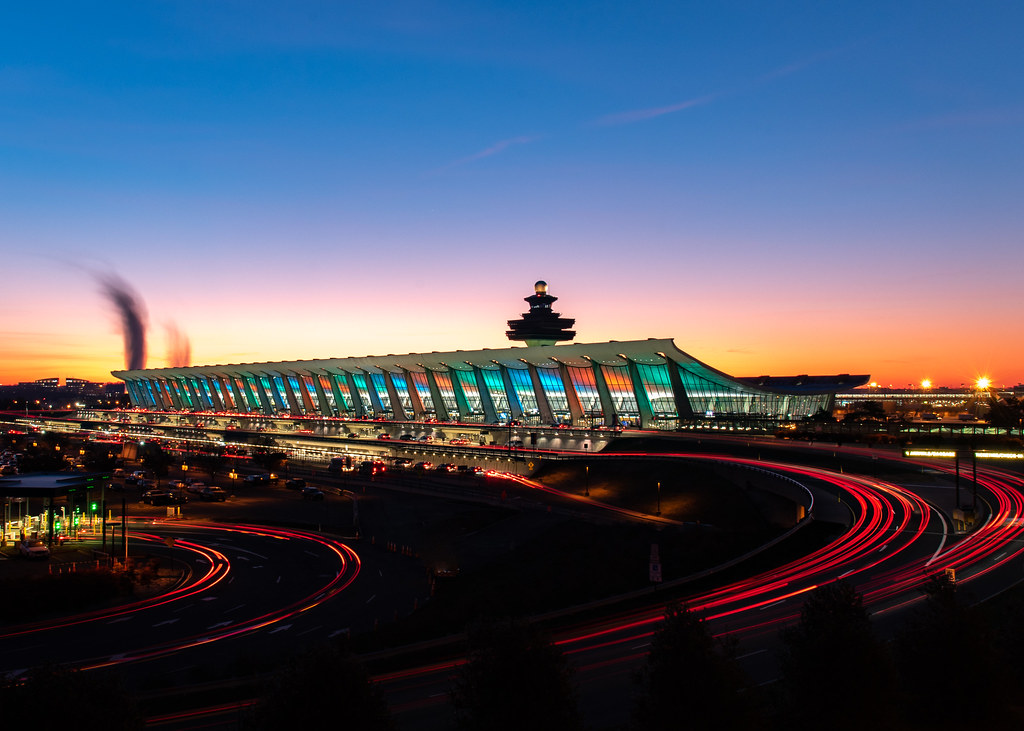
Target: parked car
pixel 213 493
pixel 163 497
pixel 177 484
pixel 296 483
pixel 196 487
pixel 34 548
pixel 260 478
pixel 312 493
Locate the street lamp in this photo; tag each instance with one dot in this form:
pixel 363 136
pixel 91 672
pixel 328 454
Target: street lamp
pixel 586 488
pixel 659 500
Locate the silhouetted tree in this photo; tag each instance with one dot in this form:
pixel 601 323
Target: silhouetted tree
pixel 324 688
pixel 951 665
pixel 514 679
pixel 836 673
pixel 690 679
pixel 53 696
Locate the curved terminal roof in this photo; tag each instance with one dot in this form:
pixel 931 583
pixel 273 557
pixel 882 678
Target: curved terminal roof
pixel 653 351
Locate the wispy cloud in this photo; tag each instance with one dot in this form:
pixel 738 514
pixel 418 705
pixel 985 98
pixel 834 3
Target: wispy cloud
pixel 496 148
pixel 639 115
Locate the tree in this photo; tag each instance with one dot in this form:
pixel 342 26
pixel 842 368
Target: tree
pixel 690 678
pixel 951 665
pixel 324 688
pixel 514 679
pixel 832 656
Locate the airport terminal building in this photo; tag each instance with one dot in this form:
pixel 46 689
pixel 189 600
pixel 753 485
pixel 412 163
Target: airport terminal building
pixel 649 384
pixel 643 383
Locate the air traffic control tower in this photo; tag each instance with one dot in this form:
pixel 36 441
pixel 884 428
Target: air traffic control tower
pixel 541 326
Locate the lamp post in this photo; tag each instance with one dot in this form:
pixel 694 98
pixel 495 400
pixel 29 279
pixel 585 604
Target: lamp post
pixel 586 487
pixel 659 500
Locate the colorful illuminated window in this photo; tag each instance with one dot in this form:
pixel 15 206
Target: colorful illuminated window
pixel 382 391
pixel 496 389
pixel 658 387
pixel 522 384
pixel 585 383
pixel 280 394
pixel 419 381
pixel 310 388
pixel 402 389
pixel 554 389
pixel 248 397
pixel 325 386
pixel 364 392
pixel 620 388
pixel 226 398
pixel 151 396
pixel 444 385
pixel 467 382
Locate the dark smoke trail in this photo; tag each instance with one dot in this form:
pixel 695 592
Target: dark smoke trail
pixel 133 316
pixel 179 348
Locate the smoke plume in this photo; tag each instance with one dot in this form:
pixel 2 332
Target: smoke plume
pixel 179 348
pixel 133 319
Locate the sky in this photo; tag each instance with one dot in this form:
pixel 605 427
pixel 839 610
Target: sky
pixel 782 188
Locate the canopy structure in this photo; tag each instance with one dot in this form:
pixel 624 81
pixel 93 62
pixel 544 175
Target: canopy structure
pixel 644 383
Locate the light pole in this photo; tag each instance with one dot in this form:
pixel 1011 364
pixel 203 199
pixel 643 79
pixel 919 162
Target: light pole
pixel 659 500
pixel 586 487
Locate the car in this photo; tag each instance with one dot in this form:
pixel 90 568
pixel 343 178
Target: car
pixel 458 441
pixel 312 493
pixel 296 483
pixel 384 436
pixel 260 478
pixel 196 487
pixel 163 497
pixel 468 469
pixel 34 548
pixel 446 467
pixel 403 464
pixel 406 437
pixel 423 466
pixel 213 493
pixel 351 435
pixel 426 438
pixel 515 443
pixel 147 484
pixel 177 484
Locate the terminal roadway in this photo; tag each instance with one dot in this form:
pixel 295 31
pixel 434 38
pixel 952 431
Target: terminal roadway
pixel 237 581
pixel 896 542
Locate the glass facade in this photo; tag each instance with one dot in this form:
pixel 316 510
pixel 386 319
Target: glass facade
pixel 467 382
pixel 419 381
pixel 381 389
pixel 554 390
pixel 496 390
pixel 657 384
pixel 614 389
pixel 620 388
pixel 444 386
pixel 522 384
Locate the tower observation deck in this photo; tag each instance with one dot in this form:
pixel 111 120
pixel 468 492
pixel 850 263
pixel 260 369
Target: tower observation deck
pixel 541 326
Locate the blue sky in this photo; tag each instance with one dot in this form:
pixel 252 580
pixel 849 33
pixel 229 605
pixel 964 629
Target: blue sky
pixel 781 187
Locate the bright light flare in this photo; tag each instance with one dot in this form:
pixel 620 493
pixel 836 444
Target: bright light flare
pixel 983 383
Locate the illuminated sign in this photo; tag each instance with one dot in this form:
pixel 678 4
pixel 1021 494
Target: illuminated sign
pixel 953 453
